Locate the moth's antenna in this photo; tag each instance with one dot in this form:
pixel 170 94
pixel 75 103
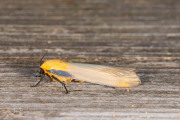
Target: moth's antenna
pixel 42 59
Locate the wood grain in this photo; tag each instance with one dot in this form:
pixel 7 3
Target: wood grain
pixel 141 34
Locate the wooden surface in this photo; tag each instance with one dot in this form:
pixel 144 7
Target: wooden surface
pixel 140 34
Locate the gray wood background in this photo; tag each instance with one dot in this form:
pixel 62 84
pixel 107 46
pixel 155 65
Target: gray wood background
pixel 140 34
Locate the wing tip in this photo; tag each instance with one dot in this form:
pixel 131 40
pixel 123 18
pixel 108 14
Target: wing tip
pixel 130 81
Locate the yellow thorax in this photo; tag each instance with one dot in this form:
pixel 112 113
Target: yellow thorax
pixel 54 64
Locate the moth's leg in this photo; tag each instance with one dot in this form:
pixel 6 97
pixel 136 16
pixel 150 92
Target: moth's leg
pixel 39 81
pixel 60 82
pixel 50 79
pixel 36 75
pixel 74 80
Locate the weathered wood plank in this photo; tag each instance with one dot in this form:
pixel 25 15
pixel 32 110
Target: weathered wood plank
pixel 137 34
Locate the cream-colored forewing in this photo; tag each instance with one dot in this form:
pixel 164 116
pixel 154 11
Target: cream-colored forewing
pixel 105 75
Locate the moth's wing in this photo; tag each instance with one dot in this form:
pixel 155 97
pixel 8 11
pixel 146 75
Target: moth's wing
pixel 104 75
pixel 60 73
